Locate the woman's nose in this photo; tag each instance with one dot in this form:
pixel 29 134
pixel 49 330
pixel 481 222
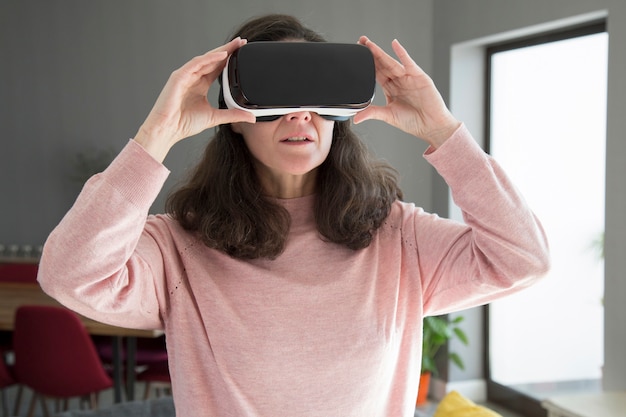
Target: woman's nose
pixel 304 116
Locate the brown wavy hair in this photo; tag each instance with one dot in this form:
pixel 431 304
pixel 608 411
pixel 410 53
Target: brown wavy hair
pixel 223 203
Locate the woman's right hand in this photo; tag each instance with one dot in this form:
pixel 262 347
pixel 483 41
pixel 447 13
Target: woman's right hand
pixel 182 109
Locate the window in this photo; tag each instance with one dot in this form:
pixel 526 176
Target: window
pixel 547 127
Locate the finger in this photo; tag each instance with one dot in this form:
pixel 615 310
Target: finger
pixel 198 74
pixel 371 113
pixel 193 72
pixel 204 64
pixel 386 66
pixel 231 46
pixel 224 116
pixel 213 60
pixel 404 57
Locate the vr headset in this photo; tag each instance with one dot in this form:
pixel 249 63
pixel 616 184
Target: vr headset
pixel 271 79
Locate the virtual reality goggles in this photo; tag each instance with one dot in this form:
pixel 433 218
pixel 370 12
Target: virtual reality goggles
pixel 271 79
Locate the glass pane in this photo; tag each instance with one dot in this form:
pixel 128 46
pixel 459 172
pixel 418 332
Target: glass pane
pixel 548 130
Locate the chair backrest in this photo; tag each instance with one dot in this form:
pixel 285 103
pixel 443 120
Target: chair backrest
pixel 54 354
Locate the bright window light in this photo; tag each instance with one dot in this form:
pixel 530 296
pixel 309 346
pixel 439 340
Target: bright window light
pixel 548 130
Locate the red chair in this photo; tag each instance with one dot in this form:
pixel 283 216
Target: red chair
pixel 7 374
pixel 156 375
pixel 148 351
pixel 55 356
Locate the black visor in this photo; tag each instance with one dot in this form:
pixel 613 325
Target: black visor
pixel 271 79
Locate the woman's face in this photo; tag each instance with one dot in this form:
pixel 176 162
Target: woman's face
pixel 288 151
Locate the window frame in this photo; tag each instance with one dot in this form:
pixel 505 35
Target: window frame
pixel 497 393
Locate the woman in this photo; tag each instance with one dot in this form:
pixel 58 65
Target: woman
pixel 288 276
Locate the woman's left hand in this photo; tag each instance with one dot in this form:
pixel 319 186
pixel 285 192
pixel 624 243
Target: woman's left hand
pixel 414 104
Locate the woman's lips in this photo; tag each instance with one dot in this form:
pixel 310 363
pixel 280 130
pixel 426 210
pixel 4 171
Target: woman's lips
pixel 296 139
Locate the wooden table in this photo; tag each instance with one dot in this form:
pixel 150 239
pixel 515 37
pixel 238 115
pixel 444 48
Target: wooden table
pixel 13 295
pixel 603 404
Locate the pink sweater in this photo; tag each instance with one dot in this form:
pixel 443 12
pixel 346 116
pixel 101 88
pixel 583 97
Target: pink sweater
pixel 322 330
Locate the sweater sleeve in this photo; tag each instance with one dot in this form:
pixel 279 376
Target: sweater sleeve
pixel 501 248
pixel 90 263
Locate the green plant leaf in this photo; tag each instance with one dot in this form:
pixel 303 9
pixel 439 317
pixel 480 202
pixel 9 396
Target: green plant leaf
pixel 437 331
pixel 460 334
pixel 456 359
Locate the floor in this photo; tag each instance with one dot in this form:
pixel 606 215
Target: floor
pixel 106 399
pixel 504 412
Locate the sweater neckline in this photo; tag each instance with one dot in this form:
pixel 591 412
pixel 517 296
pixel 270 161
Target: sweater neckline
pixel 301 209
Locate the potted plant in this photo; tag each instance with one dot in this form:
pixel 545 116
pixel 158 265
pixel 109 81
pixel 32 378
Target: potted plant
pixel 436 333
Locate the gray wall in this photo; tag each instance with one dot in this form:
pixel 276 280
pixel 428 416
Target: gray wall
pixel 80 76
